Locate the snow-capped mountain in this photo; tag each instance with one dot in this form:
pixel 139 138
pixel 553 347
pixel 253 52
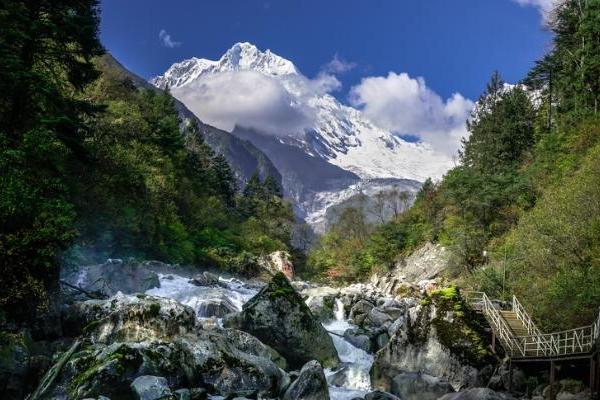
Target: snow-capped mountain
pixel 333 146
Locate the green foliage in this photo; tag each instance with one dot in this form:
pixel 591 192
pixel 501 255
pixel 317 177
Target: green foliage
pixel 190 212
pixel 520 213
pixel 458 327
pixel 89 160
pixel 46 48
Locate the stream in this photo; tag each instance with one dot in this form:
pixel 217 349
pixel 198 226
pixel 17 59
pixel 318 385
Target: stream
pixel 351 379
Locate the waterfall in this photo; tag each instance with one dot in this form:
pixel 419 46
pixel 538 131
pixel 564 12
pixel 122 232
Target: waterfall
pixel 338 310
pixel 352 378
pixel 349 381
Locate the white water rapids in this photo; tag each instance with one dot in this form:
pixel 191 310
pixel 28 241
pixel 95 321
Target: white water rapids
pixel 356 363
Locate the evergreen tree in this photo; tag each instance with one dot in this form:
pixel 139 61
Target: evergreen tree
pixel 46 52
pixel 501 127
pixel 272 188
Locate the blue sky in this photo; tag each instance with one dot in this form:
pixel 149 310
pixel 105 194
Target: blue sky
pixel 453 44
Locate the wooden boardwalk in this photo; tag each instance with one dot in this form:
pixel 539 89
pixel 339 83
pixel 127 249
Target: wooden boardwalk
pixel 523 341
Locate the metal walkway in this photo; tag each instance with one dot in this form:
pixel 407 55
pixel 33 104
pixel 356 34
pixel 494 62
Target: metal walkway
pixel 523 341
pixel 521 338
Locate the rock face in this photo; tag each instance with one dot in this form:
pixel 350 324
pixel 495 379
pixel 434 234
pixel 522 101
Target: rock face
pixel 126 337
pixel 115 275
pixel 477 394
pixel 423 264
pixel 310 384
pixel 278 317
pixel 417 386
pixel 441 338
pixel 148 387
pixel 278 261
pixel 379 395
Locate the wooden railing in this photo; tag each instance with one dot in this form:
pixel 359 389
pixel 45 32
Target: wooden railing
pixel 535 344
pixel 524 317
pixel 480 301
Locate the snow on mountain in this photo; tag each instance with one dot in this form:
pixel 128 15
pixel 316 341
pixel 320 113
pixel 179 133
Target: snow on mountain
pixel 337 133
pixel 326 152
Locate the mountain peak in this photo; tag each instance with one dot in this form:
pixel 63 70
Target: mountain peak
pixel 242 56
pixel 246 56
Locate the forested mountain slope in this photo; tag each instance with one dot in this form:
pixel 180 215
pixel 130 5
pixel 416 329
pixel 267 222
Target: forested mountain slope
pixel 93 164
pixel 521 213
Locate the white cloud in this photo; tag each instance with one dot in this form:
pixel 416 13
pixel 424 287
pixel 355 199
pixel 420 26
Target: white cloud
pixel 545 7
pixel 166 39
pixel 338 65
pixel 248 99
pixel 406 105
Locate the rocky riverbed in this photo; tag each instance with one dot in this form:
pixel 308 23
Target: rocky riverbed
pixel 157 331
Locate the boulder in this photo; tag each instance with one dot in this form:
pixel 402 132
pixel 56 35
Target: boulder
pixel 358 339
pixel 500 380
pixel 310 384
pixel 115 275
pixel 477 394
pixel 321 301
pixel 417 386
pixel 450 348
pixel 130 318
pixel 182 394
pixel 278 262
pixel 131 336
pixel 216 308
pixel 278 317
pixel 148 387
pixel 205 279
pixel 379 395
pixel 361 308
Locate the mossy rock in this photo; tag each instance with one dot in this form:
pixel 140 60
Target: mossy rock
pixel 459 328
pixel 279 317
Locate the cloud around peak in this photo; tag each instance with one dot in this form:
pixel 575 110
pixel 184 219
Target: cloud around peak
pixel 248 99
pixel 406 106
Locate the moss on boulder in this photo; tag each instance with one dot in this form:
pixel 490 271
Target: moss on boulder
pixel 278 317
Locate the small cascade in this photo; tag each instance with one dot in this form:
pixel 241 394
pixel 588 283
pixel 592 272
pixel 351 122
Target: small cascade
pixel 338 310
pixel 207 301
pixel 352 378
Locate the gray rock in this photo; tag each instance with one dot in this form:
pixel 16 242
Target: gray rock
pixel 376 318
pixel 182 394
pixel 130 318
pixel 216 308
pixel 145 335
pixel 198 394
pixel 147 387
pixel 321 301
pixel 416 347
pixel 358 339
pixel 379 395
pixel 362 307
pixel 417 386
pixel 114 276
pixel 310 385
pixel 205 279
pixel 247 343
pixel 278 317
pixel 477 394
pixel 381 340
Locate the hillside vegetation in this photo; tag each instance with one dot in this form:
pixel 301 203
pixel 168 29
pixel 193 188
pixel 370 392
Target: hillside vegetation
pixel 91 166
pixel 521 211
